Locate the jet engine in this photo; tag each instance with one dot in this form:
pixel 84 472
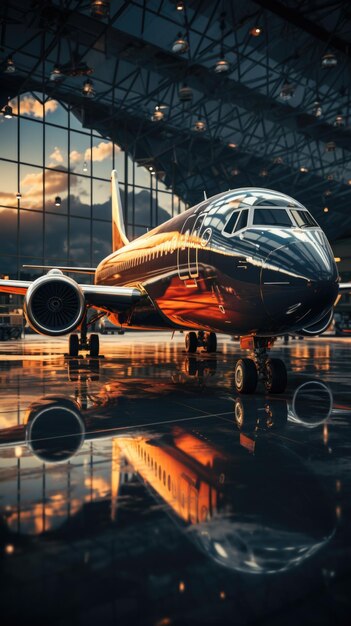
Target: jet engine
pixel 54 304
pixel 318 327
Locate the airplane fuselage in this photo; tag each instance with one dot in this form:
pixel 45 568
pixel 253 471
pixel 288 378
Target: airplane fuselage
pixel 199 271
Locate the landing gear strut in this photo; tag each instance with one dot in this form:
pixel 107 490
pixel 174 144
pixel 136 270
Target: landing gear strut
pixel 248 371
pixel 77 343
pixel 206 340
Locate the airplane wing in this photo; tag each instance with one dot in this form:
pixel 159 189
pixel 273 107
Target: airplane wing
pixel 99 296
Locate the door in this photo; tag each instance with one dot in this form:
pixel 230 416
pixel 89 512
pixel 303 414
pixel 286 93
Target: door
pixel 188 253
pixel 183 250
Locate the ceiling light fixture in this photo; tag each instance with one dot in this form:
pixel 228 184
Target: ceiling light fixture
pixel 339 120
pixel 180 45
pixel 325 209
pixel 18 195
pixel 303 169
pixel 88 89
pixel 232 145
pixel 235 171
pixel 57 201
pixel 337 259
pixel 56 73
pixel 185 93
pixel 287 91
pixel 255 31
pixel 180 6
pixel 330 146
pixel 263 172
pixel 199 126
pixel 329 60
pixel 100 8
pixel 10 66
pixel 317 109
pixel 278 160
pixel 327 193
pixel 157 115
pixel 7 112
pixel 85 167
pixel 222 65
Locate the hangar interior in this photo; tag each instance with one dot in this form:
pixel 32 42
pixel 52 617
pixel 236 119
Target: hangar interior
pixel 164 493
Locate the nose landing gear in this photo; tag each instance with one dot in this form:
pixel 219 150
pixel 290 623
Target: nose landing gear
pixel 248 371
pixel 77 343
pixel 203 339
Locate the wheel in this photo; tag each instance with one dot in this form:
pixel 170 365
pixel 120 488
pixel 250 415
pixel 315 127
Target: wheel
pixel 94 345
pixel 211 342
pixel 245 376
pixel 276 376
pixel 191 342
pixel 73 345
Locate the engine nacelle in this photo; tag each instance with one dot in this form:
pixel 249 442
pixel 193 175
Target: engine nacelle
pixel 318 327
pixel 54 304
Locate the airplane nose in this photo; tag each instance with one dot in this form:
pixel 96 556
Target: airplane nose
pixel 299 280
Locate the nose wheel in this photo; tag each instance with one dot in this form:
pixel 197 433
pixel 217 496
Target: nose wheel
pixel 248 371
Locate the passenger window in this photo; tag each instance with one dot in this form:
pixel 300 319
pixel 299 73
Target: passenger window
pixel 242 221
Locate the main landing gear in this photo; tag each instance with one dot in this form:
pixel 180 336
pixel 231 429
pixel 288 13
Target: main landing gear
pixel 203 339
pixel 77 343
pixel 248 371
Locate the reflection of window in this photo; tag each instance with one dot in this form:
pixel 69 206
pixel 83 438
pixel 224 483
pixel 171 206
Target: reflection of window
pixel 80 196
pixel 271 217
pixel 101 155
pixel 102 199
pixel 80 152
pixel 31 187
pixel 8 139
pixel 8 178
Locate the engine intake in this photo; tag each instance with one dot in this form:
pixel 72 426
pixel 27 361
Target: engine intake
pixel 54 304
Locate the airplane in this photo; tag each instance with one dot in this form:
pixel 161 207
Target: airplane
pixel 249 262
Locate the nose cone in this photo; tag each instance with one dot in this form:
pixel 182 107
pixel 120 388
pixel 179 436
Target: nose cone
pixel 299 280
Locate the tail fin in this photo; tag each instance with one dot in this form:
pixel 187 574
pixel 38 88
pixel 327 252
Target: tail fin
pixel 119 237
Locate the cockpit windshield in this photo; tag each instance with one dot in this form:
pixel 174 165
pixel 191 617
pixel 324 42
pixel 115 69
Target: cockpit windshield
pixel 303 218
pixel 272 217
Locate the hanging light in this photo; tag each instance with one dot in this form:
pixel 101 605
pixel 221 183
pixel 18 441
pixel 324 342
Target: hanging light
pixel 88 89
pixel 100 8
pixel 330 146
pixel 180 6
pixel 199 126
pixel 232 145
pixel 339 120
pixel 180 45
pixel 327 193
pixel 325 209
pixel 235 171
pixel 317 109
pixel 10 66
pixel 85 167
pixel 158 114
pixel 57 201
pixel 255 31
pixel 330 177
pixel 18 195
pixel 287 91
pixel 278 160
pixel 185 93
pixel 329 60
pixel 264 172
pixel 303 169
pixel 56 73
pixel 7 112
pixel 222 65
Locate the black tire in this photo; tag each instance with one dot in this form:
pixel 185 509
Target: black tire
pixel 73 345
pixel 94 345
pixel 191 342
pixel 245 376
pixel 276 376
pixel 191 367
pixel 211 342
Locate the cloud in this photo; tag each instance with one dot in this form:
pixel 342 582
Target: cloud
pixel 32 107
pixel 75 156
pixel 100 152
pixel 56 155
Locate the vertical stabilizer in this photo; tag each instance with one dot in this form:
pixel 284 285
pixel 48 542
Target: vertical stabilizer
pixel 119 237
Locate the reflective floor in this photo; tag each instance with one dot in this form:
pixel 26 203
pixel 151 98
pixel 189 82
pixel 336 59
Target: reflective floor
pixel 139 489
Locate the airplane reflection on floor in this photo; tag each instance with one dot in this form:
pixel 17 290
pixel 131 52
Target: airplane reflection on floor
pixel 92 458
